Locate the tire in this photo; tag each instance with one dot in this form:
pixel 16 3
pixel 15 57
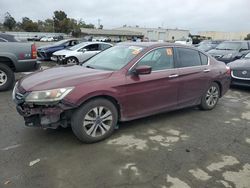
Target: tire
pixel 72 60
pixel 211 97
pixel 87 122
pixel 7 77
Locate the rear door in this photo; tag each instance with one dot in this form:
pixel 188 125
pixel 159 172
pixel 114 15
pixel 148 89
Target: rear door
pixel 194 75
pixel 155 92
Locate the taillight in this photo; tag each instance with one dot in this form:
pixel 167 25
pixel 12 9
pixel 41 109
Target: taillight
pixel 228 70
pixel 33 51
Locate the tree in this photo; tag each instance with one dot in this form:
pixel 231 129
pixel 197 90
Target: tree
pixel 61 22
pixel 82 24
pixel 9 21
pixel 29 25
pixel 248 37
pixel 101 27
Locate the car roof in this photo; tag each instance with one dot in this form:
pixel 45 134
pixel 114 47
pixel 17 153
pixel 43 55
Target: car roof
pixel 154 44
pixel 236 41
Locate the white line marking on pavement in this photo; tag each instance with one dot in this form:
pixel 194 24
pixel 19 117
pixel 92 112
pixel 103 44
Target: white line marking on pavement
pixel 11 147
pixel 34 162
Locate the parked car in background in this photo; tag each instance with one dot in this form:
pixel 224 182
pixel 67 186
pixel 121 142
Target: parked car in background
pixel 228 51
pixel 35 38
pixel 240 71
pixel 117 39
pixel 47 39
pixel 58 38
pixel 7 38
pixel 45 52
pixel 207 45
pixel 15 57
pixel 185 41
pixel 80 52
pixel 125 82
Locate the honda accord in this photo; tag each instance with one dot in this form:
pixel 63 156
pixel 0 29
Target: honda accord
pixel 124 82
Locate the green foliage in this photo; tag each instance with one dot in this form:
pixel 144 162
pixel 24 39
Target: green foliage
pixel 9 22
pixel 58 23
pixel 101 27
pixel 248 37
pixel 28 25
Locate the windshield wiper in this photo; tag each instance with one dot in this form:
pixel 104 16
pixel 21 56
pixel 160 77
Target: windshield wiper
pixel 90 67
pixel 223 49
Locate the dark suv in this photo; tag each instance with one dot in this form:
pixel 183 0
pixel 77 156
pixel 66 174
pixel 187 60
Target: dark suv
pixel 230 50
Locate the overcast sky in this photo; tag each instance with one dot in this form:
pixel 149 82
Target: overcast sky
pixel 194 15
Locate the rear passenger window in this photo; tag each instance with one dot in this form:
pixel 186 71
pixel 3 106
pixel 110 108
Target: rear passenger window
pixel 188 57
pixel 204 59
pixel 105 46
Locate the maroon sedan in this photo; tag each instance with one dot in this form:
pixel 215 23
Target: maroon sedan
pixel 125 82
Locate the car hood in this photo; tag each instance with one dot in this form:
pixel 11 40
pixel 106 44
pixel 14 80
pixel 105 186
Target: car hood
pixel 215 52
pixel 49 47
pixel 59 77
pixel 240 64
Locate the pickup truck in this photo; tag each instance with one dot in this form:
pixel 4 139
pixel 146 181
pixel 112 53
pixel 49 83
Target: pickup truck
pixel 15 57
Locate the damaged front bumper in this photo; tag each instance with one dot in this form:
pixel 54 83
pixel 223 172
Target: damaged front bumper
pixel 46 116
pixel 42 114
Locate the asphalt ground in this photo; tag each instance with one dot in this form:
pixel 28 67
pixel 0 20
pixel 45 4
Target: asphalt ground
pixel 180 149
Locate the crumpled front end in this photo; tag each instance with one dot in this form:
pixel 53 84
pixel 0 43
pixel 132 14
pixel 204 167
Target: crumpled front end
pixel 45 115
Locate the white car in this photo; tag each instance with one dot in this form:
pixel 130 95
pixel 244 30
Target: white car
pixel 186 41
pixel 80 52
pixel 47 39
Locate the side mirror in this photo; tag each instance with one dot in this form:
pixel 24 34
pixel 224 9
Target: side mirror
pixel 141 70
pixel 82 50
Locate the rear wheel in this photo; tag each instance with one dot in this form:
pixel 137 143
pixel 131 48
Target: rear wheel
pixel 7 77
pixel 211 97
pixel 72 60
pixel 95 120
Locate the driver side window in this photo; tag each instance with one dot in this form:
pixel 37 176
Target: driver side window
pixel 159 59
pixel 92 47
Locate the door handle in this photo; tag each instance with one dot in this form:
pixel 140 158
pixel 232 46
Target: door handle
pixel 206 70
pixel 173 76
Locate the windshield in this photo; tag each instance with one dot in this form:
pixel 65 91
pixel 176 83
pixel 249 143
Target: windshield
pixel 80 45
pixel 205 42
pixel 205 47
pixel 229 46
pixel 113 58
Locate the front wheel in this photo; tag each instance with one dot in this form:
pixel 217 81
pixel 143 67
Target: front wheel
pixel 211 97
pixel 72 60
pixel 95 120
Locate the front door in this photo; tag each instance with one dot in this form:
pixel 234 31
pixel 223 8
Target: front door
pixel 154 92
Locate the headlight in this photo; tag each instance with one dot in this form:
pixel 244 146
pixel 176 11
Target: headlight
pixel 61 57
pixel 48 95
pixel 227 56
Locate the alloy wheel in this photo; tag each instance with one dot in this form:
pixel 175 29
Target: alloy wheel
pixel 97 121
pixel 212 96
pixel 71 60
pixel 3 78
